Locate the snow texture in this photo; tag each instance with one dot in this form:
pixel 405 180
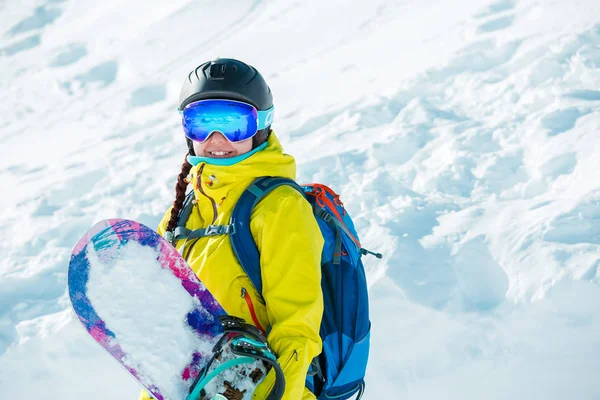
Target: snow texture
pixel 461 136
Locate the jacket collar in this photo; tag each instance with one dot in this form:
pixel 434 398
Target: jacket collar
pixel 217 181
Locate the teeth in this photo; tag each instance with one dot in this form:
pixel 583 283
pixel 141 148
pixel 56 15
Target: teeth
pixel 219 153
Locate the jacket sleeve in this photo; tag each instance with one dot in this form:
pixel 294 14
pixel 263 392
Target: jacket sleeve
pixel 144 395
pixel 162 225
pixel 290 245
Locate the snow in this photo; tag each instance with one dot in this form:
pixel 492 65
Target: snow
pixel 462 137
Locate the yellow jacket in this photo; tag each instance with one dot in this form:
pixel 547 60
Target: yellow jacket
pixel 290 245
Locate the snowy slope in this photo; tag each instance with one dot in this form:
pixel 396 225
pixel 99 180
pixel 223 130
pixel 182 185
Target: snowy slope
pixel 463 137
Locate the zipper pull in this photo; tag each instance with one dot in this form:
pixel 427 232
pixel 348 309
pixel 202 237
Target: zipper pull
pixel 243 293
pixel 365 252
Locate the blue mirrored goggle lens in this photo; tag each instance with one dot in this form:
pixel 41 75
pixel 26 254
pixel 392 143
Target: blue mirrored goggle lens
pixel 237 121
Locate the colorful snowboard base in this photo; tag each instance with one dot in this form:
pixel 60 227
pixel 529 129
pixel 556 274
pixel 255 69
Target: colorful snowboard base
pixel 137 298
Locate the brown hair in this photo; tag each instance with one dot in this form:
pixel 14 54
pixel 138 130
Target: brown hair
pixel 180 188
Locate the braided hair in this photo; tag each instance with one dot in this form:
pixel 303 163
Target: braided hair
pixel 180 189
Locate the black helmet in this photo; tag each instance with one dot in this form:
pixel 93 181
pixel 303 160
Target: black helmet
pixel 226 78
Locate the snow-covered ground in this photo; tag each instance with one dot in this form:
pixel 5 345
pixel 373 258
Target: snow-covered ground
pixel 464 138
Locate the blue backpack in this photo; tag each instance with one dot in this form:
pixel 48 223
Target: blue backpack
pixel 338 372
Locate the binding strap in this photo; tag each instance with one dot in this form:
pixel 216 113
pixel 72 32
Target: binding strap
pixel 196 391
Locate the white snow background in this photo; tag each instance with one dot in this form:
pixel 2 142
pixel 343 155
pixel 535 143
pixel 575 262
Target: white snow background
pixel 463 138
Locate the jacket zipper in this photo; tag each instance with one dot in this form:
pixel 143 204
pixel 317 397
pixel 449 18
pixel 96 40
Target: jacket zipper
pixel 246 296
pixel 212 202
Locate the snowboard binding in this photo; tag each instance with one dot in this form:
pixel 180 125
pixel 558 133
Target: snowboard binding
pixel 247 344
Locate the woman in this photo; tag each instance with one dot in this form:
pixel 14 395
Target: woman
pixel 223 160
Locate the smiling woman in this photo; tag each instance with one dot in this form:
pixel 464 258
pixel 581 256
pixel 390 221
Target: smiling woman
pixel 227 110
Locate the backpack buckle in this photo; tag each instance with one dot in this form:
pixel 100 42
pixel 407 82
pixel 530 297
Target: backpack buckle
pixel 217 230
pixel 324 215
pixel 169 236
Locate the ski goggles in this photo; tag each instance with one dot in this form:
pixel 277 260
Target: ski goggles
pixel 237 121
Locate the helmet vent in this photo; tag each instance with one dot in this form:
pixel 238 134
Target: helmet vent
pixel 217 71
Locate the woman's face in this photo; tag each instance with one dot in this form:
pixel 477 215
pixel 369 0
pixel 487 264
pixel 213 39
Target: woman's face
pixel 217 146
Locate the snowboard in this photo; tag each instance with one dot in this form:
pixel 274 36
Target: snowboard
pixel 137 297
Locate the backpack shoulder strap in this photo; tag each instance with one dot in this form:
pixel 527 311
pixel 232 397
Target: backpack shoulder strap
pixel 241 239
pixel 181 232
pixel 184 214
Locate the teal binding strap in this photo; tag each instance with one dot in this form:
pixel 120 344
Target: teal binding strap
pixel 195 395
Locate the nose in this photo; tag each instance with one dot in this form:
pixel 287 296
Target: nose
pixel 217 137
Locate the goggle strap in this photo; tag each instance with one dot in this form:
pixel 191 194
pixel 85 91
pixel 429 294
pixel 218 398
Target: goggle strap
pixel 265 118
